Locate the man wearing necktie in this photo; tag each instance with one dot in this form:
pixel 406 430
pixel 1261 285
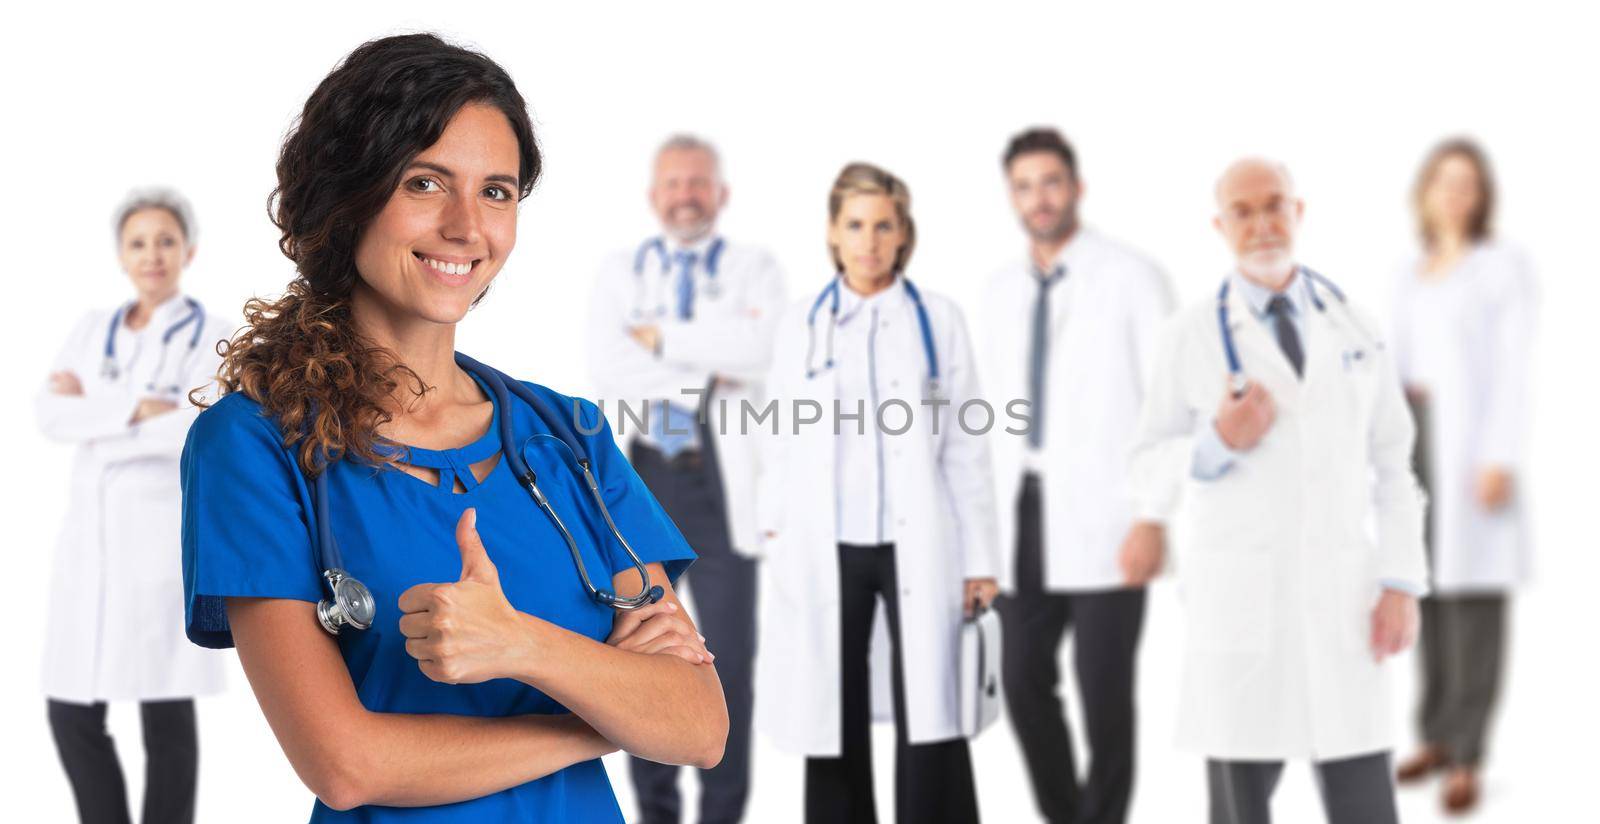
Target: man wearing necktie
pixel 680 336
pixel 1070 330
pixel 1303 556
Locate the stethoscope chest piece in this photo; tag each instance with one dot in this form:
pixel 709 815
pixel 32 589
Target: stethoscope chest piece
pixel 351 604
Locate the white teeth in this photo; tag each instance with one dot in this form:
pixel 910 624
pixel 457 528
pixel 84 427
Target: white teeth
pixel 449 268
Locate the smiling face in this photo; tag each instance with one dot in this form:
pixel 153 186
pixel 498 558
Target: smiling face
pixel 1044 194
pixel 154 252
pixel 1257 214
pixel 447 230
pixel 866 236
pixel 687 193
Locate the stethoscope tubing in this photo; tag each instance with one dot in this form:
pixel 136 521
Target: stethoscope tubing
pixel 1236 378
pixel 658 246
pixel 196 315
pixel 830 296
pixel 331 560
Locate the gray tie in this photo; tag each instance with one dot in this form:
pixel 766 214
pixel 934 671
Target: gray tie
pixel 1039 351
pixel 1288 339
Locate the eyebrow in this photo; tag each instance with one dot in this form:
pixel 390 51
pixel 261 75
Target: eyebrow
pixel 510 180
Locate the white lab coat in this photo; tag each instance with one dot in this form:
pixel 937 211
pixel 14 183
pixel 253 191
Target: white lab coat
pixel 729 337
pixel 1104 320
pixel 1283 555
pixel 1466 338
pixel 115 621
pixel 943 504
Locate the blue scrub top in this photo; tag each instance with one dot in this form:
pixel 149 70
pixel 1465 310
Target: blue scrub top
pixel 248 530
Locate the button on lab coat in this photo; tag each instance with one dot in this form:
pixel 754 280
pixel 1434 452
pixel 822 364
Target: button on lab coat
pixel 115 619
pixel 1105 315
pixel 729 336
pixel 1277 568
pixel 944 523
pixel 1466 339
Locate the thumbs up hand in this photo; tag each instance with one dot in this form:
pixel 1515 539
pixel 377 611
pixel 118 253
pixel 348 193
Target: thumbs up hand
pixel 464 632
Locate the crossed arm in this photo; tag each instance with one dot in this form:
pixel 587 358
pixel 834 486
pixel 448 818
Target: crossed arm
pixel 638 692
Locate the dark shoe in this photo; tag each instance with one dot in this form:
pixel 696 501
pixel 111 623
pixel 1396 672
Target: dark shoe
pixel 1461 791
pixel 1421 765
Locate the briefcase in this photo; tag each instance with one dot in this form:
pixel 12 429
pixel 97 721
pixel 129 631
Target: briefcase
pixel 979 689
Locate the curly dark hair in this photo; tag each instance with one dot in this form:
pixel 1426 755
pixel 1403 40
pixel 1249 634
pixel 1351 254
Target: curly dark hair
pixel 300 356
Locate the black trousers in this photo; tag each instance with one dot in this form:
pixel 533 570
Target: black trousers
pixel 932 782
pixel 1461 647
pixel 172 757
pixel 723 585
pixel 1354 790
pixel 1107 625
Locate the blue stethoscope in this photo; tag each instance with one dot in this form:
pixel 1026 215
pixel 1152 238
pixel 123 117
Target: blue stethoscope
pixel 830 296
pixel 351 602
pixel 657 248
pixel 1237 383
pixel 111 371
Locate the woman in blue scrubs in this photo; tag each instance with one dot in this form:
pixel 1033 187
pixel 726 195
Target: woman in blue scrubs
pixel 490 682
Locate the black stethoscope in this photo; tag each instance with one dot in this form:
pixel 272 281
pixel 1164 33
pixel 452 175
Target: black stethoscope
pixel 657 248
pixel 111 371
pixel 1237 383
pixel 830 296
pixel 351 602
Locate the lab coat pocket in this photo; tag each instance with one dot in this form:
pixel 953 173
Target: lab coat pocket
pixel 1227 597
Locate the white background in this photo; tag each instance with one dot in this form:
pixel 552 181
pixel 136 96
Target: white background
pixel 1156 98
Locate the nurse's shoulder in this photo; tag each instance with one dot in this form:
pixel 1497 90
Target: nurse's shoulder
pixel 233 432
pixel 583 416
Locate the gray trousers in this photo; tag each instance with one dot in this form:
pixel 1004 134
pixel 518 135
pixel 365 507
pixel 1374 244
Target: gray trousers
pixel 1461 647
pixel 1354 790
pixel 1462 652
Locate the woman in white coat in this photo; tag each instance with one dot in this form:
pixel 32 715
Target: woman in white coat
pixel 1464 324
pixel 118 392
pixel 873 490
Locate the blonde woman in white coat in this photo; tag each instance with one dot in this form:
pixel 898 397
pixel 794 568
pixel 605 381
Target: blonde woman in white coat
pixel 854 513
pixel 118 392
pixel 1464 324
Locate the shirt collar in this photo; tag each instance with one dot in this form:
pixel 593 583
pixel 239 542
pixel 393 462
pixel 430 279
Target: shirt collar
pixel 851 302
pixel 699 247
pixel 1257 296
pixel 165 314
pixel 1066 261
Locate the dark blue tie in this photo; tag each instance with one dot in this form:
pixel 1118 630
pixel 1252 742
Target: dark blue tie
pixel 1039 351
pixel 685 261
pixel 1288 339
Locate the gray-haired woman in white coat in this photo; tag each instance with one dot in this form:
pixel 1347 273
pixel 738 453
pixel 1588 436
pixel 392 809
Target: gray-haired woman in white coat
pixel 118 392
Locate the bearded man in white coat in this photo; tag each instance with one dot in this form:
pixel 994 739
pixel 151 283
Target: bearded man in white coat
pixel 1288 413
pixel 1072 329
pixel 680 339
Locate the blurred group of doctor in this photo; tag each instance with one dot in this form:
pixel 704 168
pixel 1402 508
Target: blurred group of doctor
pixel 1303 438
pixel 1339 487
